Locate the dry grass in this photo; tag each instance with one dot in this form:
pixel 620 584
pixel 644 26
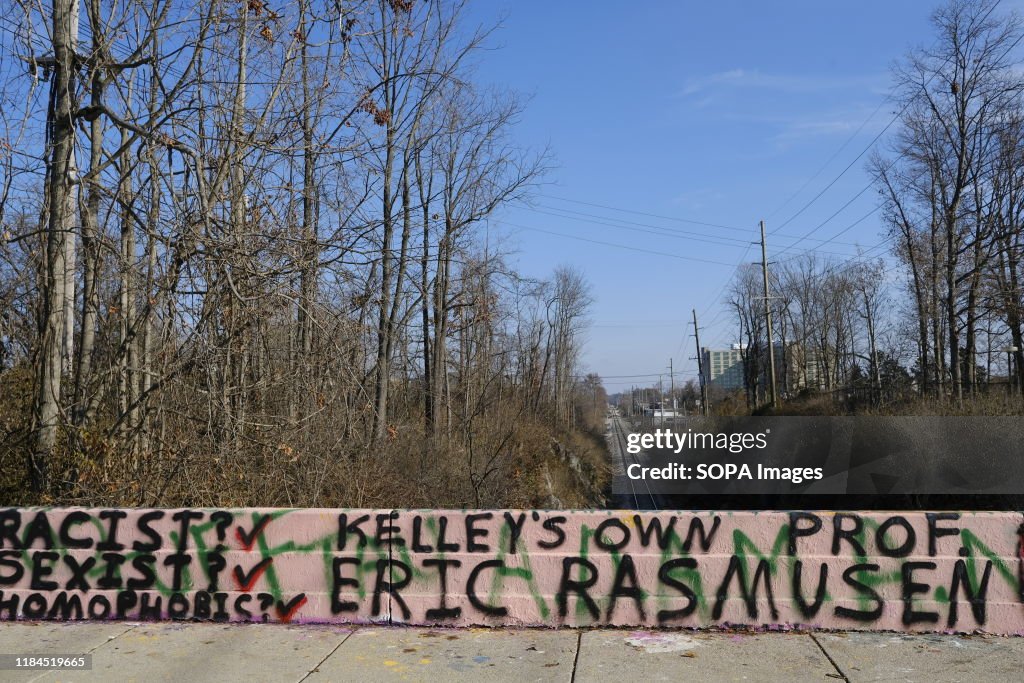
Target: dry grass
pixel 505 460
pixel 994 403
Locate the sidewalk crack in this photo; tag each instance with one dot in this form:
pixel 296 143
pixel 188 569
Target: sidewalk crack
pixel 828 656
pixel 109 640
pixel 328 655
pixel 576 659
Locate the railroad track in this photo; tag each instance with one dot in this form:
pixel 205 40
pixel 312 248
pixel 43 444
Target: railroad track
pixel 640 495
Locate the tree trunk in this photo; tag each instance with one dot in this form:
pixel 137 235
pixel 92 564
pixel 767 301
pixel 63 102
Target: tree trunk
pixel 62 140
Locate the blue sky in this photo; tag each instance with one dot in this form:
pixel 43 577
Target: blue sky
pixel 711 112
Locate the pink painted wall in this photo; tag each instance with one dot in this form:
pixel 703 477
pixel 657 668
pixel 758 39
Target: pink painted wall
pixel 902 571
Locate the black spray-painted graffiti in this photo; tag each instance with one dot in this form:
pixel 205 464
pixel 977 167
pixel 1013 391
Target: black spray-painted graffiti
pixel 930 571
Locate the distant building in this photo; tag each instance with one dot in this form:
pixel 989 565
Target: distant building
pixel 795 369
pixel 801 369
pixel 661 412
pixel 723 368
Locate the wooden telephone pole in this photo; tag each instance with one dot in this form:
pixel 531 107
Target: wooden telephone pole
pixel 700 368
pixel 672 387
pixel 768 318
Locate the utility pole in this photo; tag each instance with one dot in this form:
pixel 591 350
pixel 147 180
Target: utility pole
pixel 700 368
pixel 672 387
pixel 768 317
pixel 661 398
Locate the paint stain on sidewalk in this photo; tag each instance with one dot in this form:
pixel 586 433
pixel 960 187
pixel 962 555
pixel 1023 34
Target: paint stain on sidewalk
pixel 655 643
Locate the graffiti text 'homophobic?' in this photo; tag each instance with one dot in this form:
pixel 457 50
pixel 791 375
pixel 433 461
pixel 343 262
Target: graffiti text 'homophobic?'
pixel 912 571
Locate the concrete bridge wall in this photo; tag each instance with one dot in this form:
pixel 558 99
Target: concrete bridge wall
pixel 911 571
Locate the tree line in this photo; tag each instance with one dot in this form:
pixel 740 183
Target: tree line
pixel 246 248
pixel 950 188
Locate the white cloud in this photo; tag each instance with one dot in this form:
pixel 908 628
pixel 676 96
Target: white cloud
pixel 807 129
pixel 696 85
pixel 699 199
pixel 789 83
pixel 862 119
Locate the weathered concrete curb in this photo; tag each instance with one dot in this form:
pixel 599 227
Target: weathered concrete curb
pixel 916 571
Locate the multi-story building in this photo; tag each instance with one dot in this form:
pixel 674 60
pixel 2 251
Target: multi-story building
pixel 723 368
pixel 795 368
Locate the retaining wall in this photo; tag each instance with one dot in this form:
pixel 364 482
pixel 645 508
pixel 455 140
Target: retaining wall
pixel 904 571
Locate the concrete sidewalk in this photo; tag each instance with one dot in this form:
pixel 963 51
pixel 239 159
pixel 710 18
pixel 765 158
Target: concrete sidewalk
pixel 197 652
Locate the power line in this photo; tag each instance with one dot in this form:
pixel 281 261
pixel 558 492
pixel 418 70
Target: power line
pixel 561 214
pixel 890 164
pixel 658 230
pixel 851 226
pixel 882 132
pixel 831 158
pixel 645 213
pixel 638 376
pixel 612 244
pixel 722 289
pixel 632 325
pixel 841 174
pixel 807 236
pixel 837 268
